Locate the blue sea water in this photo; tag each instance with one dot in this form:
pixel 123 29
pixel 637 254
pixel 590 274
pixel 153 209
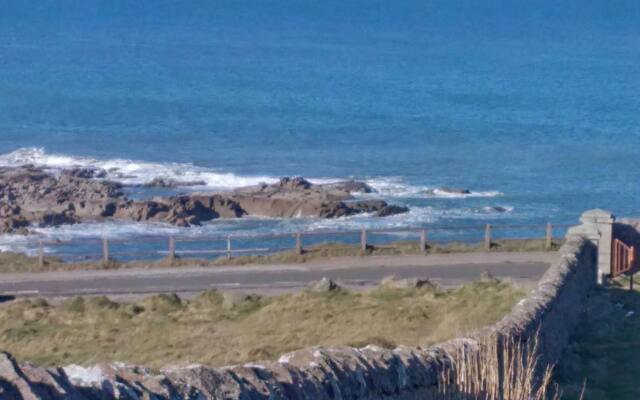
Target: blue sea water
pixel 531 105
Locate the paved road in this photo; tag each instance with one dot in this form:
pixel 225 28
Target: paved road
pixel 446 269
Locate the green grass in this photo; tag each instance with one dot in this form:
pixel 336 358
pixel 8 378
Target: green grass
pixel 220 329
pixel 10 262
pixel 606 351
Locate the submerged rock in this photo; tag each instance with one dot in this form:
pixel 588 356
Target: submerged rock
pixel 86 173
pixel 496 209
pixel 448 191
pixel 351 187
pixel 172 183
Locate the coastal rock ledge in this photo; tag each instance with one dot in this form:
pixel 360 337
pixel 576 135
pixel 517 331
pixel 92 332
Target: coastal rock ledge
pixel 34 196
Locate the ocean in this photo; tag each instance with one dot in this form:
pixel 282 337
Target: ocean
pixel 533 106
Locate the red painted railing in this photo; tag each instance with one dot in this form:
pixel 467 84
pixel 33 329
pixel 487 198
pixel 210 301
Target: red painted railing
pixel 622 258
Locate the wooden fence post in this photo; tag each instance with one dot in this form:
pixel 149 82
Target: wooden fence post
pixel 105 251
pixel 228 247
pixel 363 241
pixel 299 243
pixel 172 249
pixel 40 254
pixel 549 238
pixel 423 240
pixel 487 237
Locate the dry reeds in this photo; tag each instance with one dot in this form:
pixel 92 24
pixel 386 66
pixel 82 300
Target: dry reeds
pixel 497 369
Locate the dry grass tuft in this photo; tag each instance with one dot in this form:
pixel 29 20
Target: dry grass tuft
pixel 492 371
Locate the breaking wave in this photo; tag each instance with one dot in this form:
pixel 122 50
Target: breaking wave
pixel 131 172
pixel 397 187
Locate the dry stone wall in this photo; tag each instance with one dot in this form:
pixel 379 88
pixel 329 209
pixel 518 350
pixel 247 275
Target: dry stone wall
pixel 553 309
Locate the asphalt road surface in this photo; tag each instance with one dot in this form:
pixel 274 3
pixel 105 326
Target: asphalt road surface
pixel 445 269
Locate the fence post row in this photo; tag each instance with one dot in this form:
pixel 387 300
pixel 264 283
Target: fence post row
pixel 172 249
pixel 105 250
pixel 363 241
pixel 487 237
pixel 299 249
pixel 423 240
pixel 40 254
pixel 299 243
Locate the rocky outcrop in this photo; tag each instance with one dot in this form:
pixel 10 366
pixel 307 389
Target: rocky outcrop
pixel 31 195
pixel 351 187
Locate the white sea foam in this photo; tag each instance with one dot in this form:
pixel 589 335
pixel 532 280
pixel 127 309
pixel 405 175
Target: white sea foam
pixel 245 227
pixel 453 195
pixel 133 172
pixel 397 187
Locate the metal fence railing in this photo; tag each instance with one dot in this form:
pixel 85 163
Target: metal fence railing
pixel 172 247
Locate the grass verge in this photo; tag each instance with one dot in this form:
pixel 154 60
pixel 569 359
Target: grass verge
pixel 220 329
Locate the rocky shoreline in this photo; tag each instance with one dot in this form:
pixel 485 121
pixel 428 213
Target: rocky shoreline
pixel 33 196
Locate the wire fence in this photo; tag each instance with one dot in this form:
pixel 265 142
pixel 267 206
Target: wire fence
pixel 229 246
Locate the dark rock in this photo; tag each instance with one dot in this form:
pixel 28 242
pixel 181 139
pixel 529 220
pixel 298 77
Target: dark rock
pixel 389 210
pixel 86 173
pixel 449 190
pixel 57 219
pixel 233 300
pixel 408 283
pixel 172 183
pixel 494 209
pixel 13 224
pixel 456 190
pixel 324 285
pixel 350 187
pixel 368 206
pixel 297 183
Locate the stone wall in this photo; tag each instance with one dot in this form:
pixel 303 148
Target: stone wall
pixel 552 309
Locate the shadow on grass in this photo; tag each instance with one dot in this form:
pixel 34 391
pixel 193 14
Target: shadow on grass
pixel 605 352
pixel 6 298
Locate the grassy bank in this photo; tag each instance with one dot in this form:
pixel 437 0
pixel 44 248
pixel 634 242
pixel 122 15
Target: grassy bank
pixel 11 262
pixel 606 350
pixel 220 329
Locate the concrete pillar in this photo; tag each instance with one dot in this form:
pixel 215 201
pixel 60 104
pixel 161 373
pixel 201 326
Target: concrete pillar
pixel 172 250
pixel 299 243
pixel 597 226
